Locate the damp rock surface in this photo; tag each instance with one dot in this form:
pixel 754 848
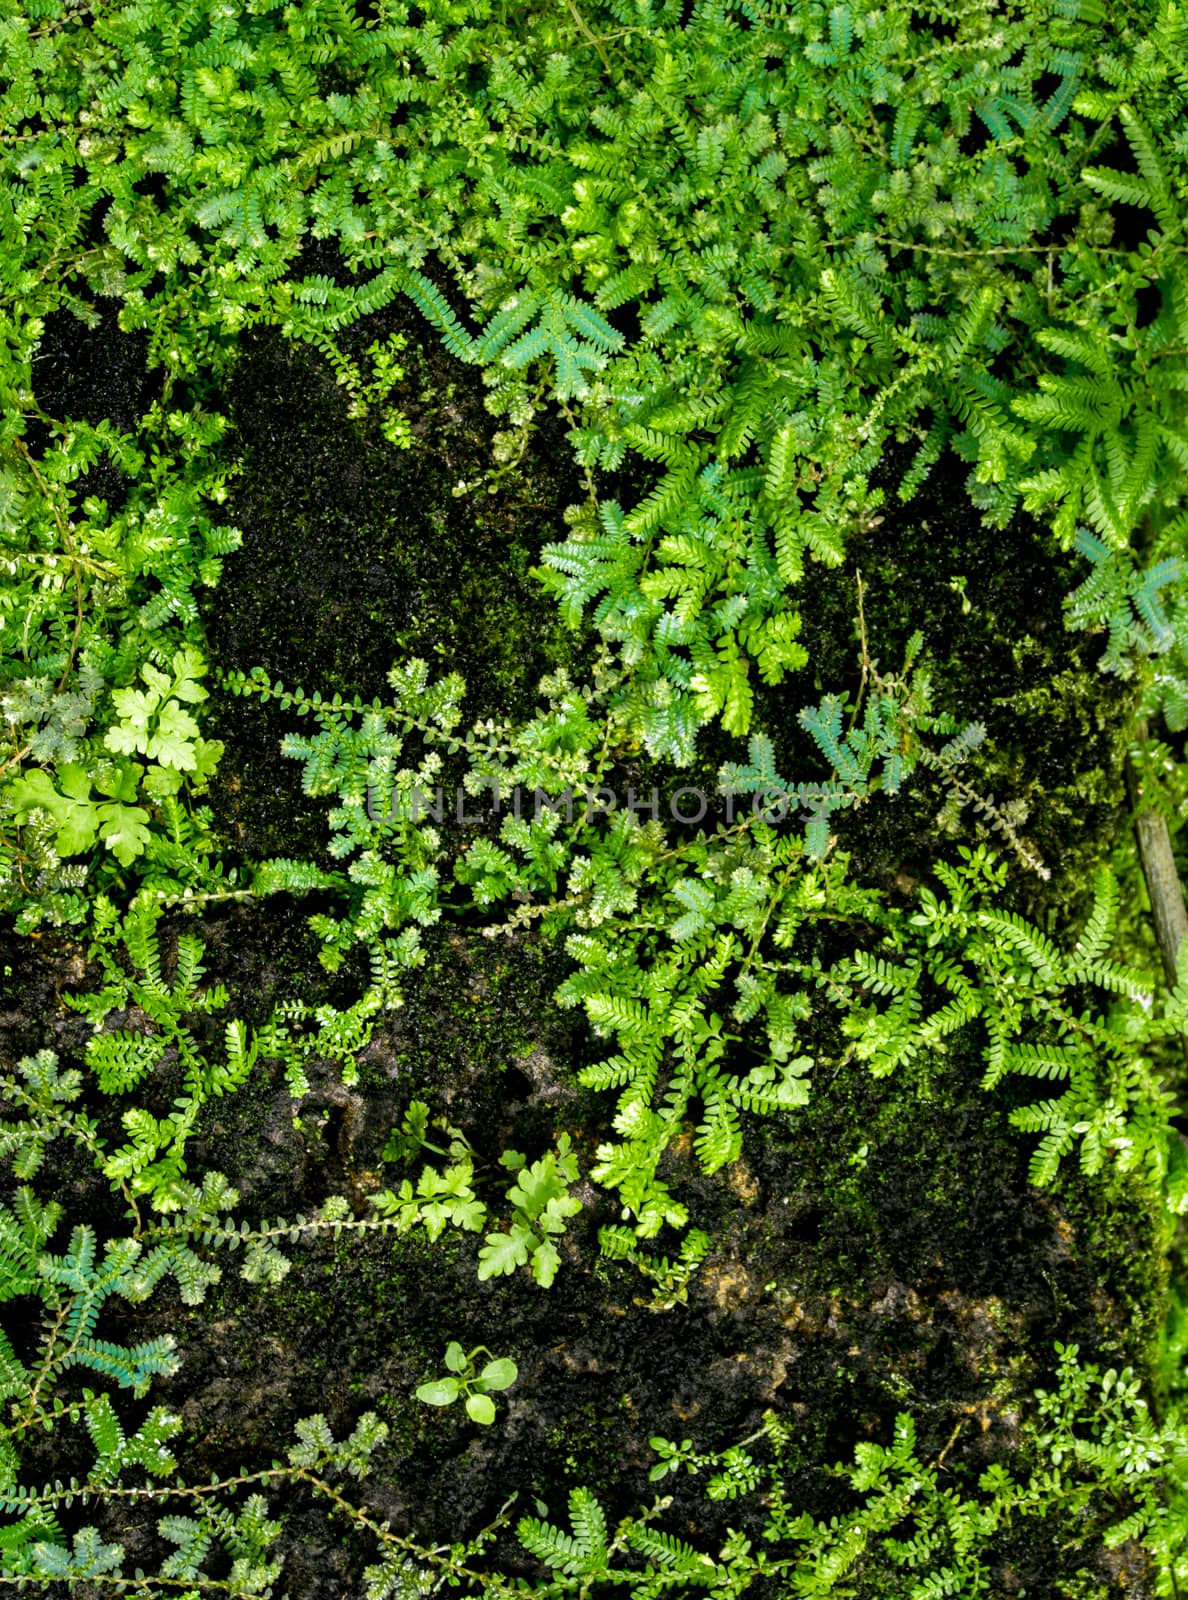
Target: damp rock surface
pixel 879 1250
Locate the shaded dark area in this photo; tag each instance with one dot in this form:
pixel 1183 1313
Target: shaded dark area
pixel 92 373
pixel 358 554
pixel 989 603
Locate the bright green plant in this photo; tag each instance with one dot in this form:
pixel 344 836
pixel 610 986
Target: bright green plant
pixel 540 1198
pixel 364 392
pixel 472 1385
pixel 542 1204
pixel 993 969
pixel 821 254
pixel 651 979
pixel 660 930
pixel 412 1136
pixel 437 1199
pixel 104 598
pixel 151 722
pixel 670 1276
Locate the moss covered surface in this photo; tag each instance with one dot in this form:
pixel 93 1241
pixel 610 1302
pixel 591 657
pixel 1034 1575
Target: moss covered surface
pixel 358 554
pixel 880 1251
pixel 864 1263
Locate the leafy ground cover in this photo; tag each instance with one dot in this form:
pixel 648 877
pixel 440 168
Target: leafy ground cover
pixel 783 405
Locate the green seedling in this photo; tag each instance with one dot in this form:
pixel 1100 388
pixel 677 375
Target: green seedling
pixel 466 1383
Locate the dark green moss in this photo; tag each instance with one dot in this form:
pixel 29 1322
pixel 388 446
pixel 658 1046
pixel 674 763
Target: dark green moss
pixel 989 603
pixel 357 555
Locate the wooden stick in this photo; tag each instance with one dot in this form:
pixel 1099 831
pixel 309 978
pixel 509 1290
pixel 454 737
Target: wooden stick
pixel 1164 888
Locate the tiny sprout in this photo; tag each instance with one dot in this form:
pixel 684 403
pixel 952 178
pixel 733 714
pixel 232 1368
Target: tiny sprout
pixel 465 1382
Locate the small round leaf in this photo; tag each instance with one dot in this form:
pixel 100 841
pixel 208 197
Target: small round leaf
pixel 455 1356
pixel 499 1374
pixel 480 1408
pixel 442 1392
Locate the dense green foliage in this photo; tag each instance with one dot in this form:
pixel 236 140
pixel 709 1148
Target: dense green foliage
pixel 772 264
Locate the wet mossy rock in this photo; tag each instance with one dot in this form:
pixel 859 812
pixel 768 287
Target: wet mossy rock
pixel 989 603
pixel 358 554
pixel 862 1265
pixel 878 1251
